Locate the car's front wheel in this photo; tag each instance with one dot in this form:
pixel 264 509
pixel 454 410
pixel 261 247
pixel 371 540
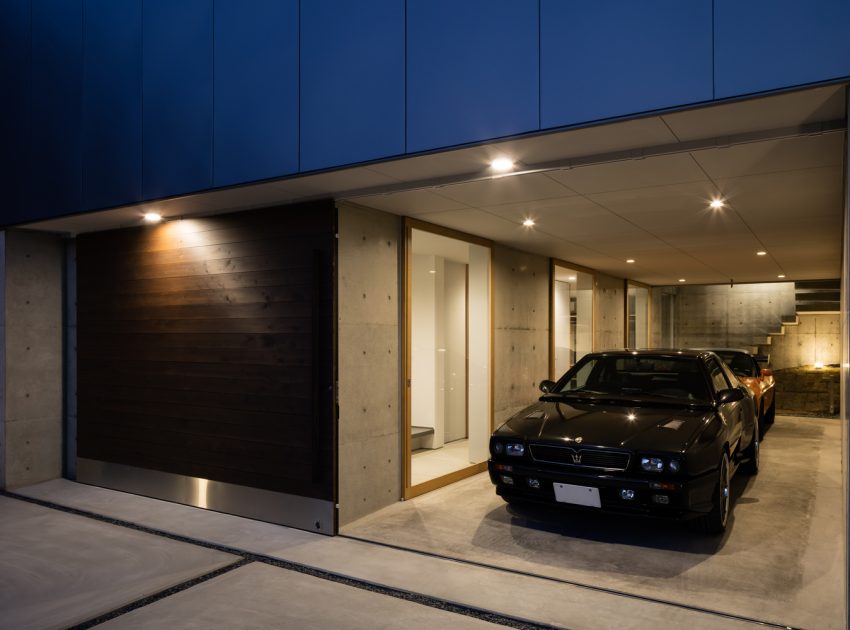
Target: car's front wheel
pixel 715 521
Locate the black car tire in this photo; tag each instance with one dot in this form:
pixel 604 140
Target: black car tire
pixel 753 452
pixel 770 416
pixel 721 503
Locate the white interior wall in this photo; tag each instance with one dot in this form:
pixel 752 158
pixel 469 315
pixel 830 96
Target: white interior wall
pixel 425 412
pixel 454 287
pixel 479 353
pixel 562 326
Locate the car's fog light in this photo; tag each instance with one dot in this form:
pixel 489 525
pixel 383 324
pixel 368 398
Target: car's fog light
pixel 663 499
pixel 507 480
pixel 627 495
pixel 533 483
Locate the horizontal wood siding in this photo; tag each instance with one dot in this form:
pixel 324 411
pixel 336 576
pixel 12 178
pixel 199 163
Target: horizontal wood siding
pixel 206 348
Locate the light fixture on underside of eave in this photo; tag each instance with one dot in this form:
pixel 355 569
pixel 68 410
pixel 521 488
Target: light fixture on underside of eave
pixel 761 252
pixel 716 204
pixel 152 217
pixel 529 222
pixel 781 275
pixel 630 261
pixel 502 165
pixel 682 280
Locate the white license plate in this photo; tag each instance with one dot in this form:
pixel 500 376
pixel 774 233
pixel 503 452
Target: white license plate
pixel 577 495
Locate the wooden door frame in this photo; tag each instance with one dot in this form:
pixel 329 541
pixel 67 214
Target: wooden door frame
pixel 409 491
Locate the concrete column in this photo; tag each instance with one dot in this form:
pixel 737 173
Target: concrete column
pixel 31 279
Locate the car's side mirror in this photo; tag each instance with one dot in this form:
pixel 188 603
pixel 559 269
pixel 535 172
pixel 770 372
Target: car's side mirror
pixel 766 372
pixel 729 396
pixel 547 386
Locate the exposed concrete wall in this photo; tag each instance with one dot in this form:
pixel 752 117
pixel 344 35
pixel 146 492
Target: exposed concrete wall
pixel 31 409
pixel 521 322
pixel 731 317
pixel 609 316
pixel 369 437
pixel 816 339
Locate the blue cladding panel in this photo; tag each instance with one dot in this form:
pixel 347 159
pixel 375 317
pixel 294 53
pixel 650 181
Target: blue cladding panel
pixel 57 47
pixel 769 44
pixel 112 102
pixel 352 85
pixel 472 71
pixel 256 89
pixel 15 66
pixel 605 59
pixel 177 81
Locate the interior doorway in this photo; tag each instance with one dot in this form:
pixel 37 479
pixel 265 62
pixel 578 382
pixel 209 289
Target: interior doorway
pixel 448 342
pixel 637 315
pixel 572 307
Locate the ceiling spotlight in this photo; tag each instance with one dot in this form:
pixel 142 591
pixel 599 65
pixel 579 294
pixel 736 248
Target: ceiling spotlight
pixel 761 253
pixel 152 217
pixel 528 222
pixel 682 280
pixel 572 278
pixel 630 260
pixel 716 204
pixel 502 164
pixel 781 275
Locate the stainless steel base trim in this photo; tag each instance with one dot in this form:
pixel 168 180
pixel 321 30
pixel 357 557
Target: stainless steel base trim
pixel 315 515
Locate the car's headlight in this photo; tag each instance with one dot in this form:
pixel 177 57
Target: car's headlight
pixel 498 448
pixel 515 449
pixel 652 464
pixel 675 465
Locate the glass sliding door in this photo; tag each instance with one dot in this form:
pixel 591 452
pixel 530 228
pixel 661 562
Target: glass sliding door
pixel 571 316
pixel 637 316
pixel 448 359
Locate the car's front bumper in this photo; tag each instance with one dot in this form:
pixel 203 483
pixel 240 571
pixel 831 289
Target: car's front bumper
pixel 664 497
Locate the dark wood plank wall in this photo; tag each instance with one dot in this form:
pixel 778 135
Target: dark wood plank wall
pixel 206 348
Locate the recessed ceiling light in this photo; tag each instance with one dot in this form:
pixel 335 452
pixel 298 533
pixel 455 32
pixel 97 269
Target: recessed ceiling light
pixel 572 278
pixel 781 275
pixel 716 204
pixel 682 280
pixel 502 164
pixel 152 217
pixel 761 253
pixel 432 271
pixel 528 222
pixel 630 260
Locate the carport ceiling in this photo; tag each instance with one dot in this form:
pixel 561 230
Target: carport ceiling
pixel 600 195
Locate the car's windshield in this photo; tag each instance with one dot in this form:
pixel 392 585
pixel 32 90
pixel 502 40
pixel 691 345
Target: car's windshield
pixel 665 377
pixel 741 364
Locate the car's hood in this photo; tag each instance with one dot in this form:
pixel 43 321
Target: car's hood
pixel 614 426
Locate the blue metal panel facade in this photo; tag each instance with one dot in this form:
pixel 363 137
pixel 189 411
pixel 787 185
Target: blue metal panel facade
pixel 604 59
pixel 472 71
pixel 15 107
pixel 177 80
pixel 57 55
pixel 256 90
pixel 768 44
pixel 352 81
pixel 112 102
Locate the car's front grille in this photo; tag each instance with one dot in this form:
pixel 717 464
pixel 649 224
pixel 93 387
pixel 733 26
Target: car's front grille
pixel 600 459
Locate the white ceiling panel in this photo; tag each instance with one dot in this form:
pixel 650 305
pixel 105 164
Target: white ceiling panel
pixel 775 112
pixel 691 197
pixel 410 202
pixel 772 156
pixel 814 192
pixel 437 165
pixel 659 170
pixel 511 189
pixel 476 222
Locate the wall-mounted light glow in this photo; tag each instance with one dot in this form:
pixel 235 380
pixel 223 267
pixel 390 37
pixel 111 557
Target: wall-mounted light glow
pixel 152 217
pixel 502 164
pixel 818 365
pixel 528 223
pixel 761 253
pixel 682 280
pixel 781 275
pixel 716 204
pixel 630 260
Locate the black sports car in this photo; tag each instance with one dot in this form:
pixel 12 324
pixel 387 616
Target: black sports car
pixel 648 432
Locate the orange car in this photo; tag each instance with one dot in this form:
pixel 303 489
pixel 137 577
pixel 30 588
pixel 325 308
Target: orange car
pixel 759 380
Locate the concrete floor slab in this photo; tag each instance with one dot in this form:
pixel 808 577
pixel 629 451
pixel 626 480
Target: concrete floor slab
pixel 59 569
pixel 781 560
pixel 263 596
